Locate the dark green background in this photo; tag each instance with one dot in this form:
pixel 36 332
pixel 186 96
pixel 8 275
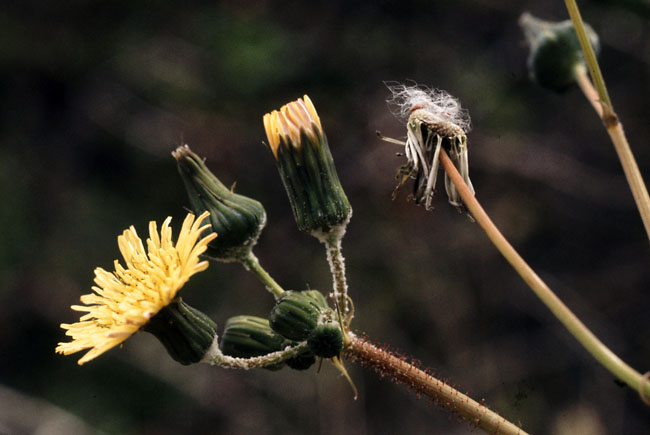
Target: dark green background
pixel 95 95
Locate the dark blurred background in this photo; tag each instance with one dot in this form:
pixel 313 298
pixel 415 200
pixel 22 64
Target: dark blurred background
pixel 95 95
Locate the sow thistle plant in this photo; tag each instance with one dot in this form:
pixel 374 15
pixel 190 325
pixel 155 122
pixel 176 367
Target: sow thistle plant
pixel 302 327
pixel 308 326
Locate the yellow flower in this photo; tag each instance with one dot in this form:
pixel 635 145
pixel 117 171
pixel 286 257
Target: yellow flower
pixel 126 299
pixel 288 122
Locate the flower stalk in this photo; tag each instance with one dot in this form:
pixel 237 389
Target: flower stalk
pixel 589 341
pixel 252 264
pixel 214 356
pixel 336 262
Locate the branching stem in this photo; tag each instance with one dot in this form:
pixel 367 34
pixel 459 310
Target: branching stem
pixel 588 340
pixel 617 135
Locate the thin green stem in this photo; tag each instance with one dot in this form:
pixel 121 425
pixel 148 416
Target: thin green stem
pixel 588 50
pixel 388 365
pixel 617 135
pixel 251 263
pixel 588 340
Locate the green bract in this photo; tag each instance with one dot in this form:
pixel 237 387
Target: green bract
pixel 185 332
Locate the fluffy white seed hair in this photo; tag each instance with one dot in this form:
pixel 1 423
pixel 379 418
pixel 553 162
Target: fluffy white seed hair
pixel 437 102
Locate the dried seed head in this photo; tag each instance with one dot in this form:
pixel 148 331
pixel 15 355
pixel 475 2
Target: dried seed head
pixel 434 121
pixel 436 105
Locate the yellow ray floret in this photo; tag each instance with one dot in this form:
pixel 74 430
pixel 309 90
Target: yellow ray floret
pixel 287 123
pixel 123 301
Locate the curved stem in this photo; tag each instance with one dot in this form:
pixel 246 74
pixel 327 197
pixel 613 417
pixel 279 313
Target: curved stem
pixel 251 263
pixel 387 364
pixel 617 135
pixel 589 341
pixel 214 356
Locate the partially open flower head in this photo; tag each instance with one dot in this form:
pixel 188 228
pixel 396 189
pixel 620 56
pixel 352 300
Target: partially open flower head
pixel 298 143
pixel 288 124
pixel 126 299
pixel 555 52
pixel 434 121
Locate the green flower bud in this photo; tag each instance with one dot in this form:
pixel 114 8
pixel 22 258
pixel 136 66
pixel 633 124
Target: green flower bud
pixel 303 361
pixel 326 340
pixel 296 314
pixel 185 332
pixel 237 219
pixel 299 145
pixel 555 52
pixel 250 336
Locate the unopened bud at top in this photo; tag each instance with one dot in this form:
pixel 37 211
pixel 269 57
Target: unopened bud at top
pixel 236 218
pixel 298 143
pixel 555 52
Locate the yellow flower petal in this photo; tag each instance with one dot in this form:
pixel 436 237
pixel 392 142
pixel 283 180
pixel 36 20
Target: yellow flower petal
pixel 124 300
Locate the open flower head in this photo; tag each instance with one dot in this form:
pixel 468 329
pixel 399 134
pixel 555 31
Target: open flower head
pixel 124 300
pixel 303 158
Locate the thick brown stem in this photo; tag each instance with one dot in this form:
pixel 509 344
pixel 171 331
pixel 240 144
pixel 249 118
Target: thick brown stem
pixel 387 364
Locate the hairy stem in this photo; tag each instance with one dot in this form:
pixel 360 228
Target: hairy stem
pixel 336 262
pixel 214 356
pixel 387 364
pixel 252 264
pixel 617 135
pixel 588 340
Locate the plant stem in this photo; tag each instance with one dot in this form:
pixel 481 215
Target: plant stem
pixel 336 262
pixel 617 135
pixel 251 263
pixel 587 49
pixel 214 356
pixel 387 364
pixel 588 340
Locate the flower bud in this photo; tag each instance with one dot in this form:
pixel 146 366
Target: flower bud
pixel 185 332
pixel 554 51
pixel 296 314
pixel 298 143
pixel 303 361
pixel 250 336
pixel 326 340
pixel 236 218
